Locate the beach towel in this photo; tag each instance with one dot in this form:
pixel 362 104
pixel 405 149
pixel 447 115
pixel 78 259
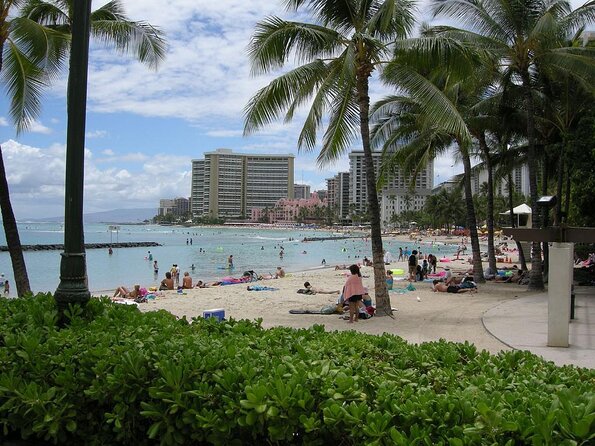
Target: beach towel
pixel 408 288
pixel 261 288
pixel 328 309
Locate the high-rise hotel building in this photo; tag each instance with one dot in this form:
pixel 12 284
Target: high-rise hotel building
pixel 229 185
pixel 397 195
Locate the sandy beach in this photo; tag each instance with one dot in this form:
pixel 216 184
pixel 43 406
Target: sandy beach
pixel 454 317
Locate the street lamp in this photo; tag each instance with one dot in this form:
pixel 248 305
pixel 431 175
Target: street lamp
pixel 73 287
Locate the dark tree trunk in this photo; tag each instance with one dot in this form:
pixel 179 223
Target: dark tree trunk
pixel 383 306
pixel 536 275
pixel 559 185
pixel 567 198
pixel 13 240
pixel 545 217
pixel 519 247
pixel 490 211
pixel 472 221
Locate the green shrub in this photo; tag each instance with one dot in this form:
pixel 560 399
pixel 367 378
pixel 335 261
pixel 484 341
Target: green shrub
pixel 119 376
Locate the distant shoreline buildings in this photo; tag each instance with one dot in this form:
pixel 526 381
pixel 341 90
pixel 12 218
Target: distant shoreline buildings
pixel 260 187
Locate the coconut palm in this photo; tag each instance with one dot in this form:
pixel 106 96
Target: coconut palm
pixel 33 47
pixel 527 37
pixel 30 56
pixel 348 42
pixel 435 114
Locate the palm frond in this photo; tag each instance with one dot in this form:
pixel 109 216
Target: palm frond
pixel 42 46
pixel 279 95
pixel 337 14
pixel 140 38
pixel 392 19
pixel 431 100
pixel 307 137
pixel 24 82
pixel 343 126
pixel 47 13
pixel 275 39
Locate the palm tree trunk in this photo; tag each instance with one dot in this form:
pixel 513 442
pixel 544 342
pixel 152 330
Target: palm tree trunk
pixel 519 247
pixel 559 186
pixel 13 240
pixel 383 306
pixel 567 192
pixel 536 276
pixel 490 197
pixel 471 220
pixel 545 217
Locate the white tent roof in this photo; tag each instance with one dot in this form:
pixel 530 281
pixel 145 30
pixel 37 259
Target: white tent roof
pixel 521 209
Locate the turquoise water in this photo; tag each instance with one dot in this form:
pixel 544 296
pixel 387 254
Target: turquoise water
pixel 252 249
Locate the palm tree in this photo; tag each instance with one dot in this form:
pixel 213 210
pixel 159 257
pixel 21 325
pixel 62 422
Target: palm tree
pixel 30 55
pixel 527 37
pixel 340 52
pixel 436 113
pixel 33 48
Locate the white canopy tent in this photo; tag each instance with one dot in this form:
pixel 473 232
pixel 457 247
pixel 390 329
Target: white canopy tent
pixel 521 210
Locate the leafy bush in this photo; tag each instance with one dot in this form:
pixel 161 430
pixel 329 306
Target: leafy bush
pixel 119 376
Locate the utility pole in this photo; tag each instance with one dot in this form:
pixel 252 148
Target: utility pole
pixel 73 287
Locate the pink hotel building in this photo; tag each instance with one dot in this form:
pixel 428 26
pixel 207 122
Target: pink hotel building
pixel 287 210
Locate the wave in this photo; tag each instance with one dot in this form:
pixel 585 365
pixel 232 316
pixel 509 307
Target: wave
pixel 259 237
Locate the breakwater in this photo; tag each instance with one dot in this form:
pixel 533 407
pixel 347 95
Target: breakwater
pixel 55 247
pixel 322 239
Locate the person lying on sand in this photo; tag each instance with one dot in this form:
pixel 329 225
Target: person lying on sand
pixel 443 288
pixel 122 292
pixel 313 290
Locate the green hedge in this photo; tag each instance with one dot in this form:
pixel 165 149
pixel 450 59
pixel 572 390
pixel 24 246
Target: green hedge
pixel 119 376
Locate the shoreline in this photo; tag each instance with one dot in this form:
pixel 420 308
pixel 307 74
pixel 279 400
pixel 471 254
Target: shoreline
pixel 427 246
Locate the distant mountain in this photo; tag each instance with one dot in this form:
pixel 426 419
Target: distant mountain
pixel 115 216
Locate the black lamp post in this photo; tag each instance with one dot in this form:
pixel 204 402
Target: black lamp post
pixel 73 287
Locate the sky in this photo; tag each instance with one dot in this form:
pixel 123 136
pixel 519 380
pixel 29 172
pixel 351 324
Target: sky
pixel 145 126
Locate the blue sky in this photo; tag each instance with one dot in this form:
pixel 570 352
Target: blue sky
pixel 144 127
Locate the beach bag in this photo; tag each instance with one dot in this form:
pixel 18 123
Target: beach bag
pixel 468 284
pixel 363 313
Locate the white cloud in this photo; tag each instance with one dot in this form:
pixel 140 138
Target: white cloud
pixel 38 127
pixel 3 122
pixel 96 134
pixel 36 175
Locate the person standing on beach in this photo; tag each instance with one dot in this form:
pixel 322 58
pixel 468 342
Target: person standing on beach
pixel 401 258
pixel 353 292
pixel 7 288
pixel 412 262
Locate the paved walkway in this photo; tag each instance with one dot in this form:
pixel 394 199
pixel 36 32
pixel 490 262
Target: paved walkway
pixel 522 325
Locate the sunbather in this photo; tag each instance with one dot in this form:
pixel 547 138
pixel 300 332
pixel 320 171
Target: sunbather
pixel 443 288
pixel 313 290
pixel 122 292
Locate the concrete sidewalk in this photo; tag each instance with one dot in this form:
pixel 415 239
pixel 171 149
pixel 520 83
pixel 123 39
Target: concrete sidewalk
pixel 522 325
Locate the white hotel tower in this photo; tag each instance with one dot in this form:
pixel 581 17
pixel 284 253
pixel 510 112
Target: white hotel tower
pixel 397 195
pixel 227 184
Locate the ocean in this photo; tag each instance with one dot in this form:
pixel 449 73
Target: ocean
pixel 254 249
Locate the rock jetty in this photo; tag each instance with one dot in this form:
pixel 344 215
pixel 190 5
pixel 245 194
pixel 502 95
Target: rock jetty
pixel 87 246
pixel 321 239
